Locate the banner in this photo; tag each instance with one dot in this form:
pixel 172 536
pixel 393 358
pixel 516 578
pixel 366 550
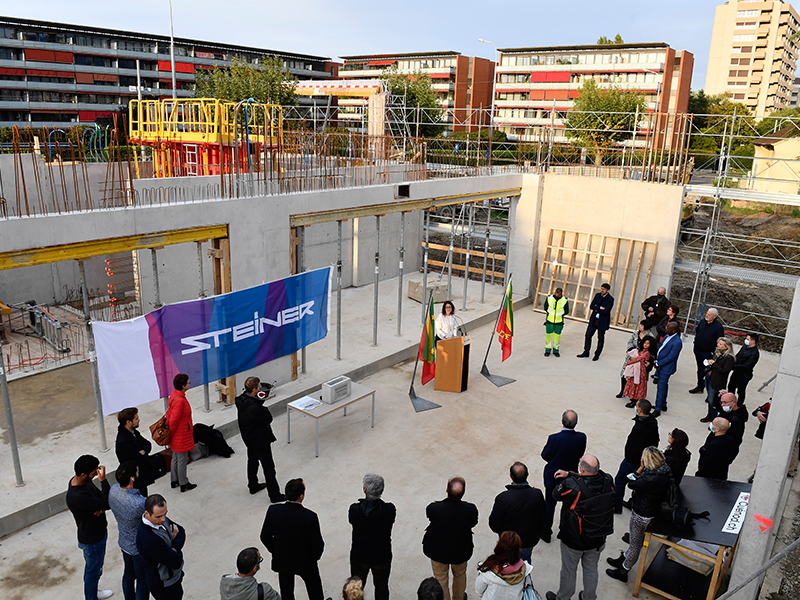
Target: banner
pixel 209 338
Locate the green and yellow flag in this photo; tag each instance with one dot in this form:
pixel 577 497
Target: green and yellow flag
pixel 427 347
pixel 505 325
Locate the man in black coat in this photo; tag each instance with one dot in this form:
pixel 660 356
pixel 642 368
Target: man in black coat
pixel 562 453
pixel 448 538
pixel 372 520
pixel 160 544
pixel 729 409
pixel 742 373
pixel 643 434
pixel 708 331
pixel 718 452
pixel 255 425
pixel 655 308
pixel 131 445
pixel 291 533
pixel 599 321
pixel 521 509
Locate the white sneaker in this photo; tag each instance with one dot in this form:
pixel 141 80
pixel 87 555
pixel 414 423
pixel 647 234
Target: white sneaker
pixel 103 594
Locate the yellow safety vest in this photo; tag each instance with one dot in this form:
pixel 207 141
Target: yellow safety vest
pixel 555 309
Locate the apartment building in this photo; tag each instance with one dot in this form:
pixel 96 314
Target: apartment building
pixel 795 101
pixel 751 56
pixel 56 75
pixel 537 86
pixel 463 83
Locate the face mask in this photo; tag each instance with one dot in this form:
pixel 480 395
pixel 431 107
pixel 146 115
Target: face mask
pixel 747 342
pixel 727 408
pixel 711 427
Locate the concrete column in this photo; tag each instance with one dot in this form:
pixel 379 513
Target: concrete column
pixel 766 500
pixel 522 249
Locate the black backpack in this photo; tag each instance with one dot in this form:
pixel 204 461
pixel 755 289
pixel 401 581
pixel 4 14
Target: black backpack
pixel 595 514
pixel 672 514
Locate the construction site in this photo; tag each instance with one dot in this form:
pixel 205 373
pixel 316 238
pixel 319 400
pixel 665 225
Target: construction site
pixel 194 198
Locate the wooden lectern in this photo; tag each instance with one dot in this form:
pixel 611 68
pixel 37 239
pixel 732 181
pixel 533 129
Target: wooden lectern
pixel 452 364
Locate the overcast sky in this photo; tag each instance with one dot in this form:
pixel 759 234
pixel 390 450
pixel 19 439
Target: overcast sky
pixel 349 27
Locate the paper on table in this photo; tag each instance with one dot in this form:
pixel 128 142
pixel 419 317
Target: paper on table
pixel 305 403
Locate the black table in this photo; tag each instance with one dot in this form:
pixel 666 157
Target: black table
pixel 673 580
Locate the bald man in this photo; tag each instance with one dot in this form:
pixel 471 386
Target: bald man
pixel 718 452
pixel 729 409
pixel 655 308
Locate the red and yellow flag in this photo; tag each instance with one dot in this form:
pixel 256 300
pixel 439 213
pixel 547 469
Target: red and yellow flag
pixel 427 347
pixel 505 325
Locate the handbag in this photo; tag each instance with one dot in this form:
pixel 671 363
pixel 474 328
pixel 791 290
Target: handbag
pixel 159 431
pixel 529 592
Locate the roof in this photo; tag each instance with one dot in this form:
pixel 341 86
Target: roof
pixel 790 131
pixel 61 27
pixel 356 57
pixel 645 46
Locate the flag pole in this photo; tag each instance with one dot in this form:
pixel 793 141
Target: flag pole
pixel 498 380
pixel 421 404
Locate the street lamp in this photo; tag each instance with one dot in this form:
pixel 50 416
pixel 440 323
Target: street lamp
pixel 172 52
pixel 494 83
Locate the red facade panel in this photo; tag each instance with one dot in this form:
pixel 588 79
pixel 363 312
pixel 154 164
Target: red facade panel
pixel 574 93
pixel 5 71
pixel 556 95
pixel 558 77
pixel 439 75
pixel 537 94
pixel 38 73
pixel 104 77
pixel 538 77
pixel 63 57
pixel 165 65
pixel 84 78
pixel 87 115
pixel 39 55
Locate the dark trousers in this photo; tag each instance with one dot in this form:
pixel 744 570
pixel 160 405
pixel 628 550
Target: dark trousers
pixel 738 385
pixel 310 577
pixel 601 338
pixel 173 592
pixel 134 578
pixel 550 505
pixel 263 456
pixel 662 388
pixel 699 357
pixel 380 577
pixel 620 481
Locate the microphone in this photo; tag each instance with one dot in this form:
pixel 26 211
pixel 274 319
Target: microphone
pixel 461 329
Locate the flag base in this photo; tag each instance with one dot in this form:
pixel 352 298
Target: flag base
pixel 498 380
pixel 420 404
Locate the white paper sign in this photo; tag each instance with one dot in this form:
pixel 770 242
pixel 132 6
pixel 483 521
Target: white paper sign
pixel 733 524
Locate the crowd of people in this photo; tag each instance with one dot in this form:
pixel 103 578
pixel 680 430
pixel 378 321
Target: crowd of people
pixel 522 515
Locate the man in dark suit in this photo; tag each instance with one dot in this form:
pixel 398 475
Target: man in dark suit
pixel 655 308
pixel 667 364
pixel 718 452
pixel 255 425
pixel 706 334
pixel 448 538
pixel 291 533
pixel 130 445
pixel 599 321
pixel 520 509
pixel 644 433
pixel 562 452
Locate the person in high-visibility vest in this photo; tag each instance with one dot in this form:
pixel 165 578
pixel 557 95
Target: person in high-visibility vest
pixel 556 306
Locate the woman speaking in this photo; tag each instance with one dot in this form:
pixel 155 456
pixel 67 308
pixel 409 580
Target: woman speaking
pixel 446 326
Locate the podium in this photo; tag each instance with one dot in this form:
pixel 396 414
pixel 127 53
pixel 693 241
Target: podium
pixel 452 364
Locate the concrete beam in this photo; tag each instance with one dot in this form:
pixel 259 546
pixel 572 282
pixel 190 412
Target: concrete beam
pixel 767 498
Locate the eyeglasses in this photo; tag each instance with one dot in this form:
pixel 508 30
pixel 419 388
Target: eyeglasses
pixel 260 560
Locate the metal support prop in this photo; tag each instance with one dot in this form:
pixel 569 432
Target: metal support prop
pixel 425 265
pixel 377 277
pixel 201 293
pixel 486 251
pixel 450 253
pixel 12 433
pixel 466 261
pixel 301 268
pixel 402 250
pixel 93 358
pixel 156 289
pixel 339 297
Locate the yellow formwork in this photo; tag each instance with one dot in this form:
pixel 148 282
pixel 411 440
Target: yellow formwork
pixel 202 121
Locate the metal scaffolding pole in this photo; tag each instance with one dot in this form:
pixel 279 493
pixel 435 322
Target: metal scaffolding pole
pixel 92 358
pixel 402 251
pixel 12 433
pixel 201 293
pixel 425 265
pixel 301 268
pixel 339 297
pixel 450 253
pixel 486 251
pixel 466 261
pixel 377 278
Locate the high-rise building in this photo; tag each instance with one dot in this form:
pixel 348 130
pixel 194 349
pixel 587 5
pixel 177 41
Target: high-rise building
pixel 463 84
pixel 536 87
pixel 795 101
pixel 752 57
pixel 55 75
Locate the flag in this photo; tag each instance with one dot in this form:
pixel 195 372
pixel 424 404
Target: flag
pixel 505 325
pixel 427 347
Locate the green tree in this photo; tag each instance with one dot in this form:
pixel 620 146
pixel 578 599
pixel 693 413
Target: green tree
pixel 603 117
pixel 780 119
pixel 716 123
pixel 269 82
pixel 419 93
pixel 602 40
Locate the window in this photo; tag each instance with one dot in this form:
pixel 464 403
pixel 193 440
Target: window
pixel 126 63
pixel 748 13
pixel 744 38
pixel 747 25
pixel 6 54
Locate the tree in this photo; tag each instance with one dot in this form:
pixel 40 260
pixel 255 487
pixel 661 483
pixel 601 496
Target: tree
pixel 780 119
pixel 714 123
pixel 269 82
pixel 604 40
pixel 603 117
pixel 419 93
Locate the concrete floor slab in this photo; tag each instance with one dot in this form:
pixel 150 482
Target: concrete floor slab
pixel 476 434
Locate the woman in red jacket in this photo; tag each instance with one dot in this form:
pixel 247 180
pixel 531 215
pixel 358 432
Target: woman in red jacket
pixel 181 437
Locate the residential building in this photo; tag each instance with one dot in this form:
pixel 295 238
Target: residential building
pixel 751 56
pixel 55 74
pixel 536 87
pixel 795 101
pixel 463 83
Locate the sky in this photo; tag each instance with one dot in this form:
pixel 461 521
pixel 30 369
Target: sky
pixel 350 27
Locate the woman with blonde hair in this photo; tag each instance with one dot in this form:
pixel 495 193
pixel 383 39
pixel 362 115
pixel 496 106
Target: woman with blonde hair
pixel 718 367
pixel 650 484
pixel 353 589
pixel 502 575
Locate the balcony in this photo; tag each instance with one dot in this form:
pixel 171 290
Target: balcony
pixel 443 87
